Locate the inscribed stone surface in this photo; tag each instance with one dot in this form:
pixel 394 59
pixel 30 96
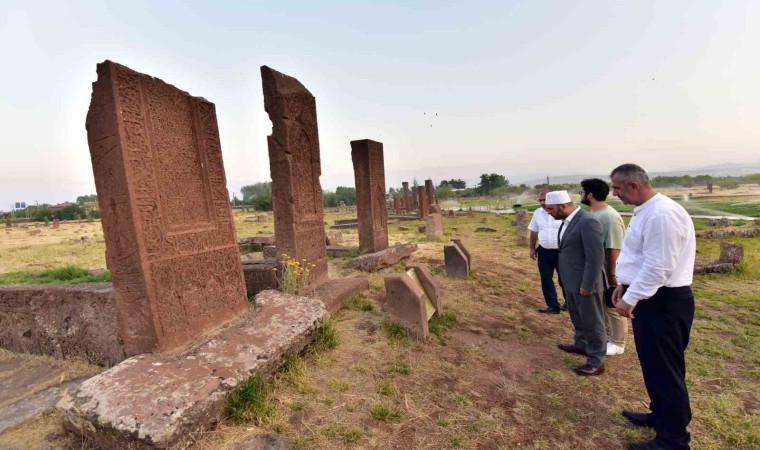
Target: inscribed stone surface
pixel 167 222
pixel 369 176
pixel 295 167
pixel 424 206
pixel 430 192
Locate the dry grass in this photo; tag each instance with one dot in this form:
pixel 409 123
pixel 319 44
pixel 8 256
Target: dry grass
pixel 494 379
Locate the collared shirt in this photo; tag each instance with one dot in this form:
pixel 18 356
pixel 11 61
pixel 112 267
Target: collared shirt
pixel 546 227
pixel 658 249
pixel 566 222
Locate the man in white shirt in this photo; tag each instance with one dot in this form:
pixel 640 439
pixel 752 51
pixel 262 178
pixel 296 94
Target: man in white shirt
pixel 543 230
pixel 655 271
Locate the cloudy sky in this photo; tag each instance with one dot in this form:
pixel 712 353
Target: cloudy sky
pixel 452 89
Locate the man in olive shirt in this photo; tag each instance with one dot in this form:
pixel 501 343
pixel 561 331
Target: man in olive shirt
pixel 594 194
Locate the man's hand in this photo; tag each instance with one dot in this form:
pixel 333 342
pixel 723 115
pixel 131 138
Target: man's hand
pixel 622 308
pixel 533 254
pixel 586 292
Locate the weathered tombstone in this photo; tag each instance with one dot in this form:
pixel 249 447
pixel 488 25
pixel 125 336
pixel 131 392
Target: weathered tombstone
pixel 522 220
pixel 167 222
pixel 398 204
pixel 407 197
pixel 731 252
pixel 423 203
pixel 430 192
pixel 369 179
pixel 56 223
pixel 433 226
pixel 709 188
pixel 407 300
pixel 435 209
pixel 294 163
pixel 455 261
pixel 463 248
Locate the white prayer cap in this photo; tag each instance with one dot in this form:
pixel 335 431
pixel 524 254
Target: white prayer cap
pixel 557 198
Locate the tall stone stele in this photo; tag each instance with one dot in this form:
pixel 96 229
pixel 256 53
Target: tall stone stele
pixel 295 168
pixel 165 209
pixel 430 191
pixel 369 178
pixel 424 205
pixel 407 197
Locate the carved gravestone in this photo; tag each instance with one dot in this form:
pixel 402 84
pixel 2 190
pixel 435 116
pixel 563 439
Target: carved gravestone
pixel 167 222
pixel 731 252
pixel 463 248
pixel 294 163
pixel 56 223
pixel 455 261
pixel 433 226
pixel 398 204
pixel 412 297
pixel 430 192
pixel 369 177
pixel 423 203
pixel 407 198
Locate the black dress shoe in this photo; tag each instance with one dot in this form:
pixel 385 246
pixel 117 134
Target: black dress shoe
pixel 564 307
pixel 549 311
pixel 571 349
pixel 651 445
pixel 588 370
pixel 639 419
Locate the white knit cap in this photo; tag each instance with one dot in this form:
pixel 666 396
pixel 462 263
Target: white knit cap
pixel 557 198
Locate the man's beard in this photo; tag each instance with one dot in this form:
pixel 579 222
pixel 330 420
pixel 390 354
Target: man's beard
pixel 586 201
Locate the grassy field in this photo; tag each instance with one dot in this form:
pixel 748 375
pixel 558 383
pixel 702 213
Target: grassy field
pixel 490 376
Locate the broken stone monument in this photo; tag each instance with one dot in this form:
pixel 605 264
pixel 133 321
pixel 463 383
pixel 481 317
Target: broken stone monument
pixel 412 298
pixel 294 163
pixel 372 262
pixel 455 261
pixel 433 226
pixel 407 197
pixel 463 248
pixel 165 210
pixel 424 205
pixel 369 176
pixel 56 223
pixel 522 220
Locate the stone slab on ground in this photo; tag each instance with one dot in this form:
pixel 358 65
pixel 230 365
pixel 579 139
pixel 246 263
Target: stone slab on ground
pixel 259 275
pixel 372 262
pixel 335 292
pixel 163 399
pixel 29 407
pixel 338 251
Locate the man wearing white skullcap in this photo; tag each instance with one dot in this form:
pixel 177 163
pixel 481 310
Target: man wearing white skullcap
pixel 581 261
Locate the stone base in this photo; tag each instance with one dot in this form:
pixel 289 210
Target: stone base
pixel 335 292
pixel 161 400
pixel 259 275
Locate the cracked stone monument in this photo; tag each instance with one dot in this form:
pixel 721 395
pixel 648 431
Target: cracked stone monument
pixel 456 262
pixel 167 222
pixel 412 298
pixel 294 163
pixel 369 177
pixel 433 226
pixel 522 219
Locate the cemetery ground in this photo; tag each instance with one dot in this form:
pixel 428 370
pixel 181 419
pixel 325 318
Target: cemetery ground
pixel 490 376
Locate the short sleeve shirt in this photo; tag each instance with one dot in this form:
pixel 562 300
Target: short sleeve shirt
pixel 613 226
pixel 546 227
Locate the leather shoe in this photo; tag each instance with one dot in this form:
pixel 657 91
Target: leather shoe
pixel 639 419
pixel 588 370
pixel 549 311
pixel 649 445
pixel 571 349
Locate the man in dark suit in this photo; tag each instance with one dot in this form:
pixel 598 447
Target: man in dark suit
pixel 581 260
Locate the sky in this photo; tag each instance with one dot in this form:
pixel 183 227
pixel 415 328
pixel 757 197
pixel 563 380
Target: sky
pixel 452 89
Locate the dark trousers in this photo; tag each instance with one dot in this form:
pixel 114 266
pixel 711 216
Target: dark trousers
pixel 587 315
pixel 547 265
pixel 661 328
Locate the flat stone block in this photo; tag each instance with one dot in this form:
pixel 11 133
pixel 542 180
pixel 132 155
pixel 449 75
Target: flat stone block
pixel 335 292
pixel 338 251
pixel 455 262
pixel 407 303
pixel 162 400
pixel 463 248
pixel 259 276
pixel 372 262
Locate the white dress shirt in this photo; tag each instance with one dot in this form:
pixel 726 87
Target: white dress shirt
pixel 658 249
pixel 567 222
pixel 546 227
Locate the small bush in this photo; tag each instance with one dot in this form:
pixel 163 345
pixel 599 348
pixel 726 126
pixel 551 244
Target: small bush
pixel 440 323
pixel 362 303
pixel 395 332
pixel 345 434
pixel 294 275
pixel 251 402
pixel 326 339
pixel 385 413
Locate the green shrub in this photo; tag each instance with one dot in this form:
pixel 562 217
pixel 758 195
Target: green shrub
pixel 251 402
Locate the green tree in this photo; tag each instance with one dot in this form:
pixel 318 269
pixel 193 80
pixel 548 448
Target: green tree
pixel 491 182
pixel 259 195
pixel 454 183
pixel 82 199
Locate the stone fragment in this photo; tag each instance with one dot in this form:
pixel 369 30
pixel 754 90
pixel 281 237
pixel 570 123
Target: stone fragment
pixel 731 252
pixel 486 229
pixel 433 226
pixel 269 251
pixel 422 228
pixel 430 284
pixel 164 401
pixel 294 163
pixel 407 197
pixel 407 302
pixel 435 209
pixel 372 262
pixel 259 275
pixel 455 262
pixel 336 292
pixel 424 207
pixel 165 210
pixel 463 248
pixel 56 223
pixel 334 238
pixel 522 219
pixel 369 176
pixel 430 193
